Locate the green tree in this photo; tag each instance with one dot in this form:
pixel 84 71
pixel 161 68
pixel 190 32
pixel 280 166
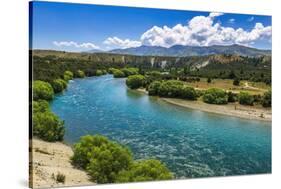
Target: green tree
pixel 118 73
pixel 102 158
pixel 47 126
pixel 135 81
pixel 236 81
pixel 99 73
pixel 153 88
pixel 145 170
pixel 246 99
pixel 130 71
pixel 42 90
pixel 68 75
pixel 40 106
pixel 59 85
pixel 232 97
pixel 266 101
pixel 80 74
pixel 188 93
pixel 215 96
pixel 170 88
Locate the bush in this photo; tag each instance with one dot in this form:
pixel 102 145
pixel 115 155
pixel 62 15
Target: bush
pixel 236 82
pixel 246 99
pixel 80 74
pixel 170 88
pixel 99 73
pixel 42 90
pixel 111 70
pixel 145 170
pixel 47 126
pixel 135 81
pixel 130 71
pixel 59 85
pixel 40 106
pixel 102 158
pixel 266 101
pixel 232 97
pixel 118 73
pixel 215 96
pixel 68 75
pixel 59 178
pixel 209 80
pixel 188 93
pixel 153 88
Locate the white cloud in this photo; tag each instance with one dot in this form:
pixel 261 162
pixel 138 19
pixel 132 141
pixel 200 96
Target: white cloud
pixel 203 31
pixel 231 21
pixel 250 19
pixel 215 14
pixel 120 43
pixel 75 44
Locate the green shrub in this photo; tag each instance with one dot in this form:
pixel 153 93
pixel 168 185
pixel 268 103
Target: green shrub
pixel 42 90
pixel 145 170
pixel 102 158
pixel 188 93
pixel 99 73
pixel 80 74
pixel 209 80
pixel 266 100
pixel 59 178
pixel 118 73
pixel 232 97
pixel 68 75
pixel 130 71
pixel 153 88
pixel 111 70
pixel 47 126
pixel 59 85
pixel 246 99
pixel 170 88
pixel 215 96
pixel 236 81
pixel 135 81
pixel 40 106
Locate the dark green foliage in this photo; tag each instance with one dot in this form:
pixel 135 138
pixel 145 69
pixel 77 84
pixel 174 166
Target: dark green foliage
pixel 130 71
pixel 46 125
pixel 111 70
pixel 118 74
pixel 236 81
pixel 59 85
pixel 246 99
pixel 188 93
pixel 145 170
pixel 153 88
pixel 42 90
pixel 100 72
pixel 215 96
pixel 68 75
pixel 79 74
pixel 232 97
pixel 109 162
pixel 266 101
pixel 102 158
pixel 170 88
pixel 209 80
pixel 135 81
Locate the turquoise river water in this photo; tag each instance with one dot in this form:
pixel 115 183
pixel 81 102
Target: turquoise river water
pixel 192 143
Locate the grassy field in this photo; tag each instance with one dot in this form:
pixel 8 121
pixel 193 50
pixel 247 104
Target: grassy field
pixel 227 84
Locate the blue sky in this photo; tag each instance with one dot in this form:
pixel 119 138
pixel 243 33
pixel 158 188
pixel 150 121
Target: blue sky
pixel 81 27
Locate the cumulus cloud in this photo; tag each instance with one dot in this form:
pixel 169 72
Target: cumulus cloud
pixel 204 31
pixel 231 21
pixel 120 43
pixel 75 44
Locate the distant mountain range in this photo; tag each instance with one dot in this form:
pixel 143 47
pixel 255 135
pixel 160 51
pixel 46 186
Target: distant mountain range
pixel 183 51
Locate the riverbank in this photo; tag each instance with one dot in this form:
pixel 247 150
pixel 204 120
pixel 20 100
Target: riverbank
pixel 231 109
pixel 51 158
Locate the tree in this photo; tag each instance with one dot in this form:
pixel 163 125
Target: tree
pixel 42 90
pixel 118 73
pixel 135 81
pixel 68 75
pixel 188 93
pixel 130 71
pixel 266 101
pixel 46 125
pixel 153 88
pixel 209 80
pixel 232 97
pixel 59 85
pixel 170 88
pixel 231 75
pixel 215 96
pixel 145 170
pixel 102 158
pixel 246 99
pixel 80 74
pixel 99 73
pixel 236 81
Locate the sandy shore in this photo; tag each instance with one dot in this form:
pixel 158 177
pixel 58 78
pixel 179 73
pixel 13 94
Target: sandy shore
pixel 53 158
pixel 231 109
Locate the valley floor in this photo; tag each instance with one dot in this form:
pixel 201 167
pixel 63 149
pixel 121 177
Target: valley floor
pixel 52 158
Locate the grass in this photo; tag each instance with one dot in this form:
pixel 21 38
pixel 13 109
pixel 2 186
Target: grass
pixel 227 84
